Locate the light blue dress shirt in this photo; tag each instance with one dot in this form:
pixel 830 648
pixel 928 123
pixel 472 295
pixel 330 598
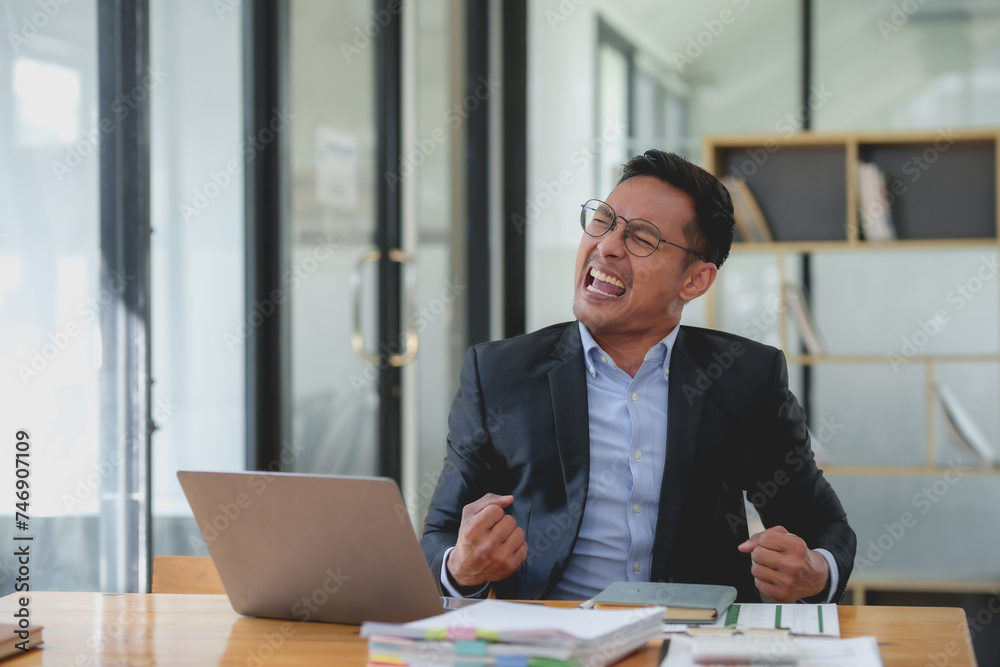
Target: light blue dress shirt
pixel 628 449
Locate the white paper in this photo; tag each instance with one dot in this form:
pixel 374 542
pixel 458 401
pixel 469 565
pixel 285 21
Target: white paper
pixel 813 651
pixel 818 620
pixel 336 168
pixel 528 619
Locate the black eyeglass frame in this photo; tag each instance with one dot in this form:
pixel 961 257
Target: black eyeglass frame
pixel 614 219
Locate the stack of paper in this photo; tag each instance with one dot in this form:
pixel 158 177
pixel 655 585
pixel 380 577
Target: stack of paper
pixel 494 632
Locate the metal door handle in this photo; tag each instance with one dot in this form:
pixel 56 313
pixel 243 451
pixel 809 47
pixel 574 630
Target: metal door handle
pixel 410 339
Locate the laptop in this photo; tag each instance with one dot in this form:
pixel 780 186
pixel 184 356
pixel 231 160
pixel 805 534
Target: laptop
pixel 313 548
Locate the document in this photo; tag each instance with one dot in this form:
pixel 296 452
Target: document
pixel 801 651
pixel 815 620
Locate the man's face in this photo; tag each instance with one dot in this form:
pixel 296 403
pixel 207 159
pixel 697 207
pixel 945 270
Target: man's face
pixel 650 299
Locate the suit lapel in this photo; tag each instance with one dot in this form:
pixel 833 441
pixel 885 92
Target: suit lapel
pixel 568 387
pixel 684 407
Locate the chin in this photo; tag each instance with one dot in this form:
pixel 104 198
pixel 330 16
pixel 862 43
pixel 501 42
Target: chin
pixel 593 318
pixel 581 313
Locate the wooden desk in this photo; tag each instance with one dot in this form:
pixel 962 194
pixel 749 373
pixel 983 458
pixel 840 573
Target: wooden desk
pixel 86 629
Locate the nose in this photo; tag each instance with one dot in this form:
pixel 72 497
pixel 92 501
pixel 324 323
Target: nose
pixel 612 243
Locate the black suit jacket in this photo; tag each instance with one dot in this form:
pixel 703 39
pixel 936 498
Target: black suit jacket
pixel 519 425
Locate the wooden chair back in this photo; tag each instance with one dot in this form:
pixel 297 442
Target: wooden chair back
pixel 185 574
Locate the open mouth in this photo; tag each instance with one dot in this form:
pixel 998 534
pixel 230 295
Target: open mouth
pixel 603 284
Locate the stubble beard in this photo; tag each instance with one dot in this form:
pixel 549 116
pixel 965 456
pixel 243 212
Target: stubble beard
pixel 597 322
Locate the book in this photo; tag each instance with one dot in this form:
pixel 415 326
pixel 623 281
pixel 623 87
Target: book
pixel 874 205
pixel 500 632
pixel 963 429
pixel 799 305
pixel 751 225
pixel 690 603
pixel 13 638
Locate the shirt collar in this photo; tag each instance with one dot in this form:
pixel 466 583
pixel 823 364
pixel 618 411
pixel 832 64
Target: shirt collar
pixel 592 352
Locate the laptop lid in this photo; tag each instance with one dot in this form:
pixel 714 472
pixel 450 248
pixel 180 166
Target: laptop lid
pixel 313 548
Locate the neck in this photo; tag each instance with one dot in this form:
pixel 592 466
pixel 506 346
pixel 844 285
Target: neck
pixel 627 349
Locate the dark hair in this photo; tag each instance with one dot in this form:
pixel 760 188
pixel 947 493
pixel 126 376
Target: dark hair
pixel 712 231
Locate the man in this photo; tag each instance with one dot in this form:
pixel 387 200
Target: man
pixel 618 447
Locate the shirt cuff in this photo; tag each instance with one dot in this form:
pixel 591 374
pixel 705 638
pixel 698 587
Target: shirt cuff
pixel 834 572
pixel 450 587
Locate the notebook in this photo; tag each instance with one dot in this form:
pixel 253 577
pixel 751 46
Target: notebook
pixel 15 640
pixel 313 548
pixel 691 603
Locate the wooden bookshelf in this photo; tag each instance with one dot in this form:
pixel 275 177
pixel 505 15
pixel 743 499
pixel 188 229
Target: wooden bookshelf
pixel 792 247
pixel 813 177
pixel 806 187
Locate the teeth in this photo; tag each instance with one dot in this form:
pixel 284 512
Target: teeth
pixel 591 288
pixel 600 275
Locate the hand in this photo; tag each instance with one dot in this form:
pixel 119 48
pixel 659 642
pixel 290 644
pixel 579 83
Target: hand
pixel 784 568
pixel 490 544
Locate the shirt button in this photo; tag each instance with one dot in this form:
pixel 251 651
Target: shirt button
pixel 636 567
pixel 591 369
pixel 667 372
pixel 638 455
pixel 635 397
pixel 604 359
pixel 636 508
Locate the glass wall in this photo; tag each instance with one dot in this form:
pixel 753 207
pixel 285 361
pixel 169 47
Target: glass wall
pixel 433 137
pixel 50 257
pixel 50 299
pixel 332 225
pixel 332 234
pixel 199 153
pixel 906 66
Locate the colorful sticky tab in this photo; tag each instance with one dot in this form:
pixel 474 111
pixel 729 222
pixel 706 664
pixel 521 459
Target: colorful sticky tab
pixel 461 633
pixel 436 634
pixel 488 635
pixel 470 648
pixel 511 661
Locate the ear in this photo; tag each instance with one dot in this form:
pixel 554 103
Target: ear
pixel 697 279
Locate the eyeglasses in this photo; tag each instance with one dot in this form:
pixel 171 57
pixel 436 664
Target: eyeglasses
pixel 642 237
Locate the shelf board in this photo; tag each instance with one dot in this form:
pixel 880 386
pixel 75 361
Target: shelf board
pixel 814 360
pixel 918 585
pixel 740 247
pixel 740 141
pixel 902 471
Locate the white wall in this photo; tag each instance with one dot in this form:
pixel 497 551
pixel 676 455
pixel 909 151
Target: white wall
pixel 561 155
